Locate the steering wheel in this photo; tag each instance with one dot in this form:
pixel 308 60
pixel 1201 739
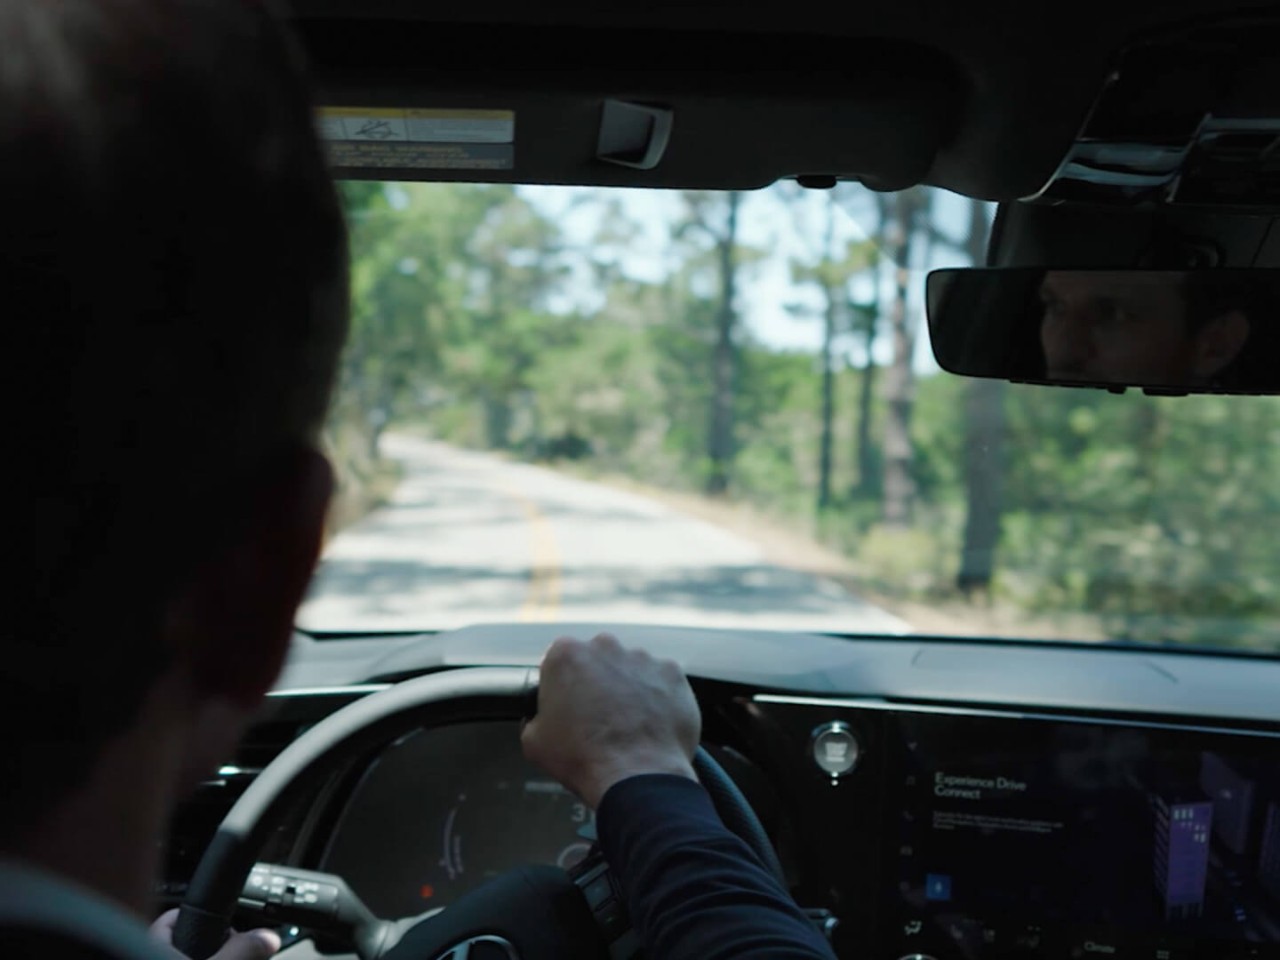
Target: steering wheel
pixel 530 913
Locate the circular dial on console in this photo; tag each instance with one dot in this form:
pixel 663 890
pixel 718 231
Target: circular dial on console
pixel 835 749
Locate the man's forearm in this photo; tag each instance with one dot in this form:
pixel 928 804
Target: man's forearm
pixel 694 890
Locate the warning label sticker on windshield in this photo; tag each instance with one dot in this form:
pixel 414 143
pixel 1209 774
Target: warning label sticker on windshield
pixel 419 138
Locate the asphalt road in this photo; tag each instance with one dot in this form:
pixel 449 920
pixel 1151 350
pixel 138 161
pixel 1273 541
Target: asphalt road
pixel 472 538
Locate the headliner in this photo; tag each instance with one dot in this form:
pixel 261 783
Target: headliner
pixel 983 98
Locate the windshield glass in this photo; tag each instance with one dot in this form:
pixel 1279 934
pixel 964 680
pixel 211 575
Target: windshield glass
pixel 720 409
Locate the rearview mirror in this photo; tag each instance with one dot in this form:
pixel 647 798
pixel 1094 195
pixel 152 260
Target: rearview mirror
pixel 1184 331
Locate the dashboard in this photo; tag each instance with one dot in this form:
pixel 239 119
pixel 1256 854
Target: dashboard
pixel 942 828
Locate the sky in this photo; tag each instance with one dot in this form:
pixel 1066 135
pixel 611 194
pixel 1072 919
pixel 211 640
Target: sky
pixel 766 224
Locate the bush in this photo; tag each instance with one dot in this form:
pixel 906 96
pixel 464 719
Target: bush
pixel 915 561
pixel 566 446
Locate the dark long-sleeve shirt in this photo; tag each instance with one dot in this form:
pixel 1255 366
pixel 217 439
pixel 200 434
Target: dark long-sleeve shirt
pixel 694 890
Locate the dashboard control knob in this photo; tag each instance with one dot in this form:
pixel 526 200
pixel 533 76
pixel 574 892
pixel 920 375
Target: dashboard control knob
pixel 835 749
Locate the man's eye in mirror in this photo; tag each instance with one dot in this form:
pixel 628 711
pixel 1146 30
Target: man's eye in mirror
pixel 1193 331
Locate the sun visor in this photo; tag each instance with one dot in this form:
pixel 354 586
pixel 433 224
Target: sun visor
pixel 590 108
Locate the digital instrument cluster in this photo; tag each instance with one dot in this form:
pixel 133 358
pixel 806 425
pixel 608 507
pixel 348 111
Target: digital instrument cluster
pixel 443 810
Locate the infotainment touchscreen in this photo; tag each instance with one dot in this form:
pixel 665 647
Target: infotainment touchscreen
pixel 1042 837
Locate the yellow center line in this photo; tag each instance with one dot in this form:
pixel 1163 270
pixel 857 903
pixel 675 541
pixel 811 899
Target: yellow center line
pixel 542 601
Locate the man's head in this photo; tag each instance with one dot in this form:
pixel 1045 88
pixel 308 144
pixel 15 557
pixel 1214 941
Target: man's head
pixel 1158 328
pixel 174 279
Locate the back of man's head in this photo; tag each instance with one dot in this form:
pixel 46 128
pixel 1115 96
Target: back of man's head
pixel 174 280
pixel 1213 295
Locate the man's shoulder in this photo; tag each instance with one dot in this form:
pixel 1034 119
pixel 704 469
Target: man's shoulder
pixel 34 942
pixel 45 915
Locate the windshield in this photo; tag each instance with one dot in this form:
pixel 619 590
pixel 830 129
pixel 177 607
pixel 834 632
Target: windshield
pixel 720 409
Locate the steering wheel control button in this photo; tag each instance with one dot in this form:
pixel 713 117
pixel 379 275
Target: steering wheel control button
pixel 278 889
pixel 613 920
pixel 592 877
pixel 835 749
pixel 598 892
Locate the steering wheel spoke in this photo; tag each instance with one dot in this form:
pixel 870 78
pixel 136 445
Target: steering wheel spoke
pixel 322 903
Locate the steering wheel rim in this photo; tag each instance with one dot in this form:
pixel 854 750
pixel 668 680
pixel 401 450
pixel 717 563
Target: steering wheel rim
pixel 466 695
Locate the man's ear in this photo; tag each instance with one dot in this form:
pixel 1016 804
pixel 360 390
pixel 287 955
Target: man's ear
pixel 231 625
pixel 1218 343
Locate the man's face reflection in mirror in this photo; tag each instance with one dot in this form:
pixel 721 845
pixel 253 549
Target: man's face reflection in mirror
pixel 1134 327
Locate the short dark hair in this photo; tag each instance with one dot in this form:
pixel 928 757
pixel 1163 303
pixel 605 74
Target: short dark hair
pixel 1211 293
pixel 1255 294
pixel 174 269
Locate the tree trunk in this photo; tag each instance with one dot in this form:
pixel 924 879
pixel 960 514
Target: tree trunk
pixel 984 482
pixel 983 451
pixel 866 454
pixel 832 295
pixel 899 485
pixel 720 436
pixel 828 403
pixel 497 420
pixel 866 458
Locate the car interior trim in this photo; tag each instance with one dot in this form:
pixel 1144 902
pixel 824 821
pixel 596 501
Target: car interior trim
pixel 897 707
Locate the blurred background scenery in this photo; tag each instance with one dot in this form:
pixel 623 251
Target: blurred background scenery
pixel 760 360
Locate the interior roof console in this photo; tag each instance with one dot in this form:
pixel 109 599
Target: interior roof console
pixel 1187 118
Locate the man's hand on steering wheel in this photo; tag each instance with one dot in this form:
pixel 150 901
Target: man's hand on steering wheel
pixel 606 713
pixel 249 945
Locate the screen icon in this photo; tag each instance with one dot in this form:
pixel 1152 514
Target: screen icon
pixel 937 886
pixel 912 928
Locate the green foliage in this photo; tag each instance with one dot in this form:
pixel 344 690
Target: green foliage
pixel 602 384
pixel 937 432
pixel 1150 512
